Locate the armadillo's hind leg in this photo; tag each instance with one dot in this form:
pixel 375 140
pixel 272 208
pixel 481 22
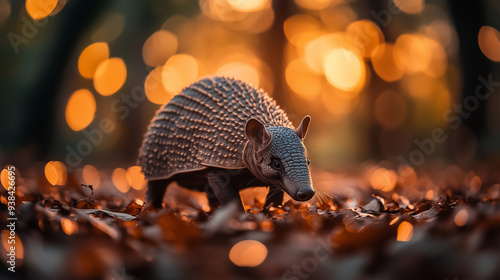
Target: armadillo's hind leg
pixel 223 189
pixel 274 197
pixel 156 191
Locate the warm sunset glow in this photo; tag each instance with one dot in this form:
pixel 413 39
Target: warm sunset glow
pixel 315 4
pixel 153 86
pixel 68 226
pixel 411 53
pixel 390 109
pixel 39 9
pixel 80 109
pixel 248 253
pixel 240 70
pixel 383 179
pixel 110 76
pixel 439 59
pixel 304 83
pixel 384 64
pixel 338 103
pixel 345 70
pixel 410 6
pixel 316 50
pixel 187 67
pixel 91 57
pixel 366 36
pixel 135 178
pixel 489 42
pixel 91 176
pixel 18 244
pixel 405 231
pixel 461 218
pixel 159 47
pixel 119 178
pixel 296 27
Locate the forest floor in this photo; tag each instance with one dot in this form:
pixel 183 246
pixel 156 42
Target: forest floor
pixel 374 223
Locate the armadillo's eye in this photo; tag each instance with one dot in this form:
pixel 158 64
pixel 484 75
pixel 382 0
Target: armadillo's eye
pixel 308 162
pixel 276 164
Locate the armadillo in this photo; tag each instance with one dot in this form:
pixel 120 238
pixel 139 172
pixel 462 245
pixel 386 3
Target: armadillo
pixel 220 135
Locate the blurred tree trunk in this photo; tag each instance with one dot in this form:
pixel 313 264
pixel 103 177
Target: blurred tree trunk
pixel 468 17
pixel 35 127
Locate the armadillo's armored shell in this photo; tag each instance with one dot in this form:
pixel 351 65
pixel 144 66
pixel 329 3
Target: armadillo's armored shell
pixel 204 125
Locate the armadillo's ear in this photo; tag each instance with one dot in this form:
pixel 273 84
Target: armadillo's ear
pixel 257 134
pixel 301 131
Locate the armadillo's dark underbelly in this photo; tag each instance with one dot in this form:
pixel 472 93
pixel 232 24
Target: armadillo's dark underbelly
pixel 197 180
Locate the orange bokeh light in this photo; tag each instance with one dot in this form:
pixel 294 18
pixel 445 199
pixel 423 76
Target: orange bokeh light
pixel 110 76
pixel 489 42
pixel 315 4
pixel 384 64
pixel 68 226
pixel 39 9
pixel 248 6
pixel 153 86
pixel 55 172
pixel 159 47
pixel 4 176
pixel 135 178
pixel 80 109
pixel 345 70
pixel 248 253
pixel 338 103
pixel 17 243
pixel 316 50
pixel 91 176
pixel 461 218
pixel 119 178
pixel 305 84
pixel 405 231
pixel 171 79
pixel 383 179
pixel 187 67
pixel 411 53
pixel 240 70
pixel 410 6
pixel 5 10
pixel 297 25
pixel 366 35
pixel 91 57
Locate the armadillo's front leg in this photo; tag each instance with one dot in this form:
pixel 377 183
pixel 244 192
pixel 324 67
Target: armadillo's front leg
pixel 274 197
pixel 156 191
pixel 221 185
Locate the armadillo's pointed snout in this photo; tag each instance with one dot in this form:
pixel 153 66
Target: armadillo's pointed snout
pixel 304 194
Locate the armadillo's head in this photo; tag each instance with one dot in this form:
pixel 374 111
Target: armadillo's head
pixel 277 156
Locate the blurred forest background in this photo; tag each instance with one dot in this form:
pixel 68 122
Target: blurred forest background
pixel 81 79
